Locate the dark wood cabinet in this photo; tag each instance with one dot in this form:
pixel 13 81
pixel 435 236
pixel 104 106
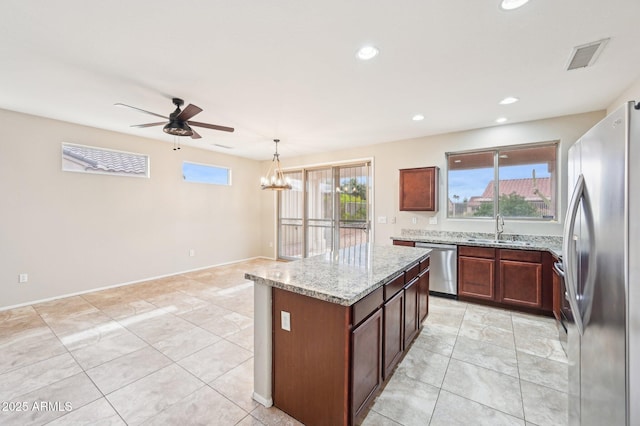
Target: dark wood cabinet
pixel 506 277
pixel 521 283
pixel 476 272
pixel 404 243
pixel 419 189
pixel 423 295
pixel 557 293
pixel 520 278
pixel 331 360
pixel 366 372
pixel 411 324
pixel 393 332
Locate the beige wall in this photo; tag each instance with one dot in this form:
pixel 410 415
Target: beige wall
pixel 631 94
pixel 72 232
pixel 430 151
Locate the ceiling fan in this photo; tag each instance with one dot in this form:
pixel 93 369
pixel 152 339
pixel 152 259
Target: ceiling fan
pixel 179 123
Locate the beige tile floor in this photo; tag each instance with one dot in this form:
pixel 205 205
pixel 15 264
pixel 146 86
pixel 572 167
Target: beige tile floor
pixel 179 350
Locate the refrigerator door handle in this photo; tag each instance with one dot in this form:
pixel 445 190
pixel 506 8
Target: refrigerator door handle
pixel 569 252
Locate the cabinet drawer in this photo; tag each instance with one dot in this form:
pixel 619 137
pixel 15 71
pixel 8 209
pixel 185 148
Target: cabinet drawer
pixel 393 287
pixel 365 306
pixel 412 272
pixel 521 255
pixel 424 264
pixel 404 243
pixel 485 252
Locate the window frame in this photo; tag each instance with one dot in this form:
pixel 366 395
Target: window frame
pixel 495 151
pixel 228 169
pixel 68 161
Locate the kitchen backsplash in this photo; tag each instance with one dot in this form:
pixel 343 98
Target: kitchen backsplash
pixel 550 240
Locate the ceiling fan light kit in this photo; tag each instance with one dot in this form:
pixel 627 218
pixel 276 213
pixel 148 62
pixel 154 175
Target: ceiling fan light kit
pixel 275 179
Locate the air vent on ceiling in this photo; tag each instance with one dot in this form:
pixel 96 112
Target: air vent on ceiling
pixel 222 146
pixel 586 55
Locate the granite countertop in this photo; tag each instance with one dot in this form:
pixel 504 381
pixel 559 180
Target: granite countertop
pixel 343 277
pixel 550 243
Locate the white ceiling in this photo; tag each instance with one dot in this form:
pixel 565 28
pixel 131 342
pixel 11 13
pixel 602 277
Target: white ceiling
pixel 287 68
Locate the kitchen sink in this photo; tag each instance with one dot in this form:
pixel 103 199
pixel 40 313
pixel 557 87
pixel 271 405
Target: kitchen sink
pixel 505 242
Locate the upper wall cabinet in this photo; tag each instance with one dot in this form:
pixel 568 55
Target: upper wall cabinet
pixel 419 189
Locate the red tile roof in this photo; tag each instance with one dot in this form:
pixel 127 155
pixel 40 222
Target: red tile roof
pixel 522 187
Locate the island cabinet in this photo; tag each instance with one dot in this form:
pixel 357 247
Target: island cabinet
pixel 393 324
pixel 506 277
pixel 329 359
pixel 411 324
pixel 423 291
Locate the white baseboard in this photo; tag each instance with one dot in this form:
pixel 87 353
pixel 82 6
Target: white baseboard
pixel 267 402
pixel 79 293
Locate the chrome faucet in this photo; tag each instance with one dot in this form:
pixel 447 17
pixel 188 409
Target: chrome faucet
pixel 499 226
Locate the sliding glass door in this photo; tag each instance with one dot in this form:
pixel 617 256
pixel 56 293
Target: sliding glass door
pixel 328 209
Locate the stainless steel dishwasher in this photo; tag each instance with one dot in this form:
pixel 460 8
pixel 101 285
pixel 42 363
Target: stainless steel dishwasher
pixel 443 269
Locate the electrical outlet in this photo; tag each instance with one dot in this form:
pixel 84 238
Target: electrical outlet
pixel 285 320
pixel 433 220
pixel 23 278
pixel 192 252
pixel 414 220
pixel 393 219
pixel 382 219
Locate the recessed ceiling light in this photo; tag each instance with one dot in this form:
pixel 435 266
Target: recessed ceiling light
pixel 418 117
pixel 367 52
pixel 501 120
pixel 509 100
pixel 512 4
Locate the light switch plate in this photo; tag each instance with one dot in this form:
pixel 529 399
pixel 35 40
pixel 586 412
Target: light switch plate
pixel 285 320
pixel 382 219
pixel 433 220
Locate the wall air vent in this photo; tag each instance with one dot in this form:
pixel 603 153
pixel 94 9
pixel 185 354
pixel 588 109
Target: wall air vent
pixel 586 55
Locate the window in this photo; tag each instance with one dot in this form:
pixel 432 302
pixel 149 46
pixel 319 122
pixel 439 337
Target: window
pixel 525 177
pixel 327 209
pixel 88 159
pixel 204 173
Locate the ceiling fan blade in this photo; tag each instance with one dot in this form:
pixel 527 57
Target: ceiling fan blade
pixel 141 110
pixel 149 124
pixel 189 111
pixel 211 126
pixel 195 135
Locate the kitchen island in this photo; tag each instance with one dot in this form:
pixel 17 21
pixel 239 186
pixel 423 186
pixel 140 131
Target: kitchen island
pixel 330 329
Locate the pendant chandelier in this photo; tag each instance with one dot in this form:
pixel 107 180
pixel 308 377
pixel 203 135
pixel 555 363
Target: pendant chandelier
pixel 275 179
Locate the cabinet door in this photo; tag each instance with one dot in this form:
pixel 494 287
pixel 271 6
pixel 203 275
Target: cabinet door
pixel 521 283
pixel 393 332
pixel 366 368
pixel 423 296
pixel 476 277
pixel 411 324
pixel 557 295
pixel 418 189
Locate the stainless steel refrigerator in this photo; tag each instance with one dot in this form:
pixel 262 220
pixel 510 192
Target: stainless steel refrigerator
pixel 601 255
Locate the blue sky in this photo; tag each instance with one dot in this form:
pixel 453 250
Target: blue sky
pixel 203 173
pixel 469 183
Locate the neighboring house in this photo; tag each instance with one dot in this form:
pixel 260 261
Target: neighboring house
pixel 522 187
pixel 97 160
